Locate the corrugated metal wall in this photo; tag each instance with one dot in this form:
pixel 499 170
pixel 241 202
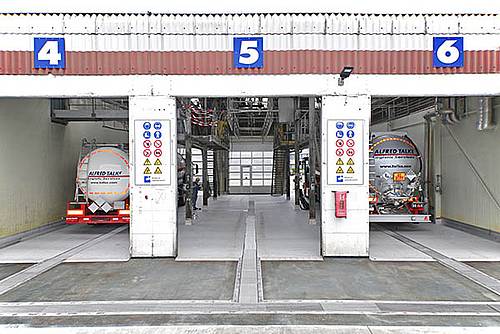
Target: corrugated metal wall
pixel 202 44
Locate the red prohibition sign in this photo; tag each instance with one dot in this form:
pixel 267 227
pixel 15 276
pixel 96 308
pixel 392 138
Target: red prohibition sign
pixel 147 153
pixel 339 142
pixel 350 152
pixel 350 142
pixel 147 143
pixel 157 153
pixel 157 143
pixel 339 152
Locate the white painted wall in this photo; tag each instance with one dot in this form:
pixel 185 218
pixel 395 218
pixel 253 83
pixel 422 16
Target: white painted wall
pixel 38 163
pixel 464 199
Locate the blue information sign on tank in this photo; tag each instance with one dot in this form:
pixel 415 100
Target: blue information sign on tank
pixel 350 134
pixel 339 125
pixel 157 125
pixel 350 125
pixel 157 134
pixel 146 126
pixel 146 134
pixel 339 134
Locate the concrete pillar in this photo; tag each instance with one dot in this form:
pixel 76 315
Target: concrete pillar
pixel 312 161
pixel 153 176
pixel 345 117
pixel 206 183
pixel 189 169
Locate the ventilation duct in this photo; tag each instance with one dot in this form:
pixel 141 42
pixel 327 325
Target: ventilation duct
pixel 485 114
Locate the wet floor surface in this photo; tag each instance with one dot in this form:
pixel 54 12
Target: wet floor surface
pixel 367 280
pixel 7 269
pixel 144 279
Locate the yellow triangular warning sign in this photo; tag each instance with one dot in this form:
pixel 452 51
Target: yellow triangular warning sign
pixel 157 162
pixel 340 162
pixel 147 171
pixel 157 170
pixel 350 161
pixel 340 170
pixel 350 170
pixel 147 162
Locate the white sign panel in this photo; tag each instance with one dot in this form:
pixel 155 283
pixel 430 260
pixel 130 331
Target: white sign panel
pixel 153 153
pixel 345 151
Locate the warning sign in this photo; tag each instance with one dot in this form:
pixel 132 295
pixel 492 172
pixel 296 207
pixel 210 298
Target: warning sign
pixel 153 153
pixel 343 160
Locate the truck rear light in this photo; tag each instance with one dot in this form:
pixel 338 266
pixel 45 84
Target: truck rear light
pixel 74 212
pixel 124 212
pixel 86 219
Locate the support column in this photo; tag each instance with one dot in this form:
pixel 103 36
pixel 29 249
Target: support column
pixel 297 158
pixel 215 173
pixel 312 161
pixel 206 194
pixel 189 169
pixel 287 174
pixel 153 176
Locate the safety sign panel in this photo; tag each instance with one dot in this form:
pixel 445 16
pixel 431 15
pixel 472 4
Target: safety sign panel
pixel 348 152
pixel 152 143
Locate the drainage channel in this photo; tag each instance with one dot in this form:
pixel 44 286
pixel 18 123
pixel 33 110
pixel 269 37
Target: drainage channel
pixel 33 271
pixel 248 289
pixel 460 268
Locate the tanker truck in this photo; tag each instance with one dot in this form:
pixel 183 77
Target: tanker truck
pixel 396 179
pixel 103 183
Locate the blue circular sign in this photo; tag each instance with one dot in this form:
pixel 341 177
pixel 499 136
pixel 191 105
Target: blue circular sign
pixel 157 134
pixel 350 125
pixel 146 126
pixel 339 125
pixel 146 134
pixel 339 134
pixel 157 125
pixel 350 134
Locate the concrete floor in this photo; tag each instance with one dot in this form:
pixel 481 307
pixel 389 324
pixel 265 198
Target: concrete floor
pixel 453 243
pixel 50 244
pixel 140 279
pixel 10 269
pixel 283 233
pixel 217 231
pixel 366 280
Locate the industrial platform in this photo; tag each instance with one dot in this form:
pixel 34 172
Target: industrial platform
pixel 240 263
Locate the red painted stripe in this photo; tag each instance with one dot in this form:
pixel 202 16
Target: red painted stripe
pixel 275 62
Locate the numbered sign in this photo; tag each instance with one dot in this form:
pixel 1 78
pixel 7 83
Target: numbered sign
pixel 49 53
pixel 448 52
pixel 248 52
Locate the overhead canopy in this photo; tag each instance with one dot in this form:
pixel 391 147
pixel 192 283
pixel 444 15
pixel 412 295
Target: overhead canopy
pixel 254 6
